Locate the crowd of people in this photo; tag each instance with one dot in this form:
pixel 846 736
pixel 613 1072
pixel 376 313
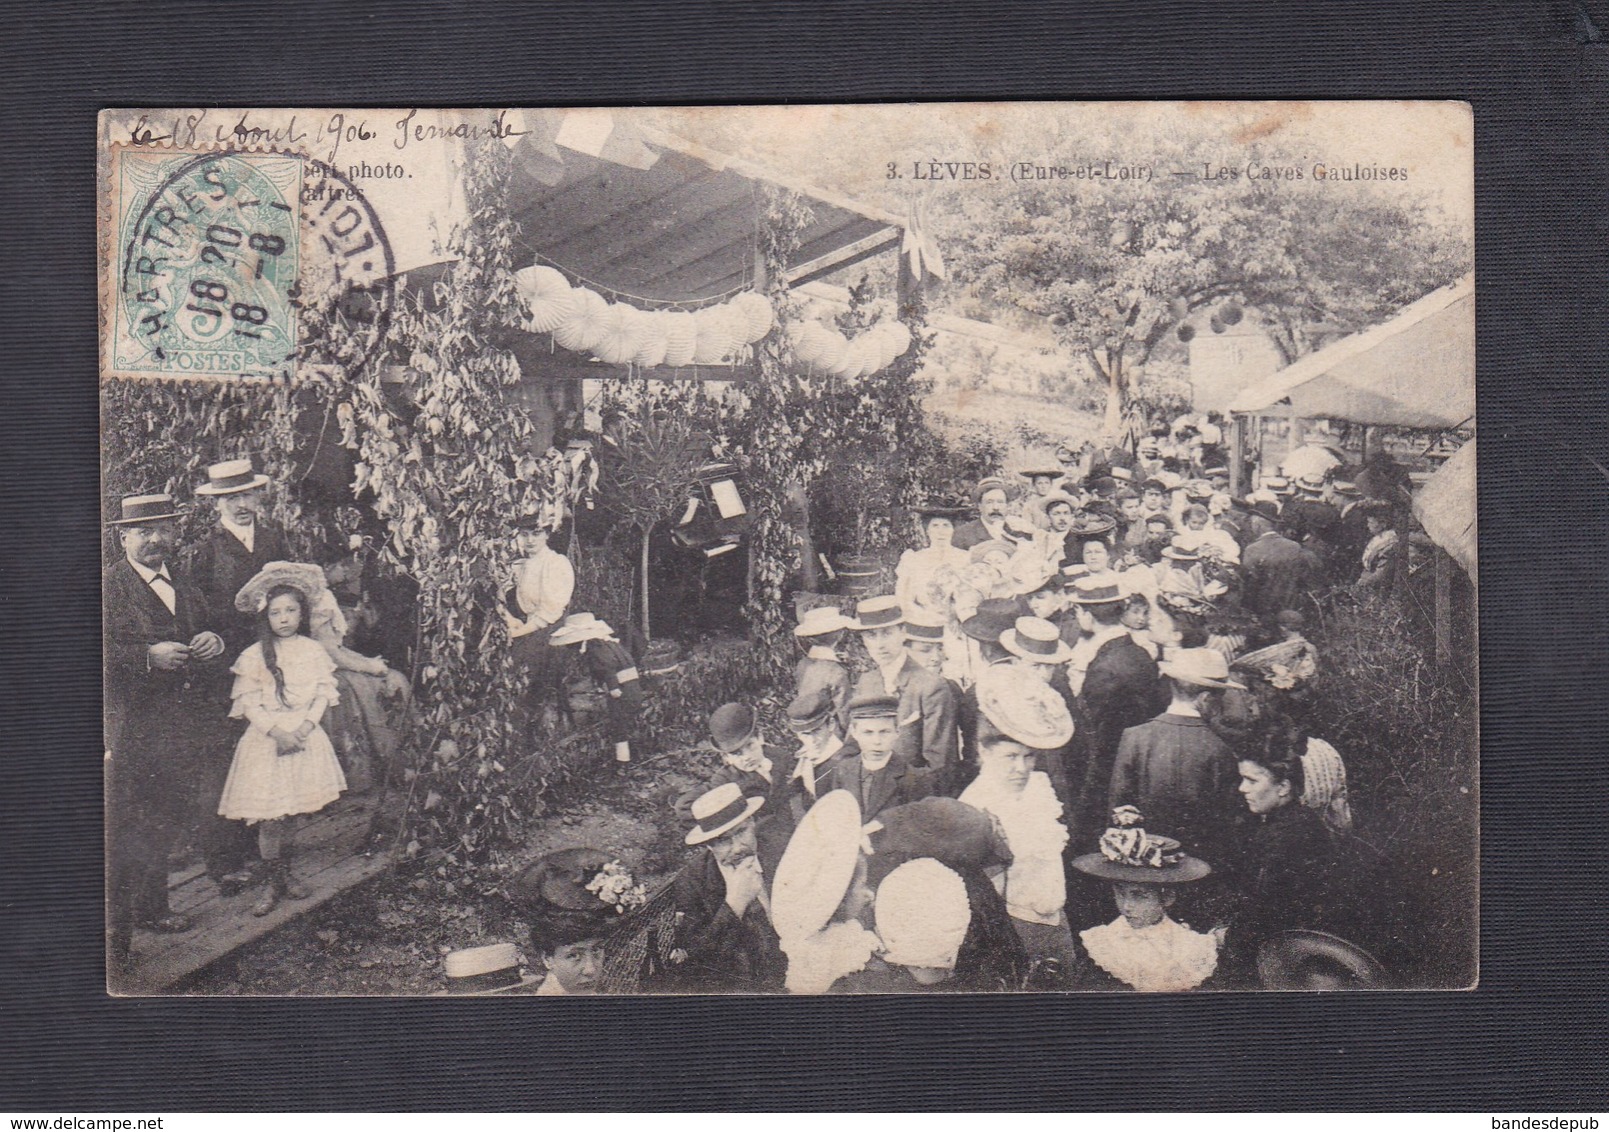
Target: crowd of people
pixel 1094 690
pixel 1096 695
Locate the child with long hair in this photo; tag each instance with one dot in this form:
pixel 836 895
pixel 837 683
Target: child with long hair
pixel 284 764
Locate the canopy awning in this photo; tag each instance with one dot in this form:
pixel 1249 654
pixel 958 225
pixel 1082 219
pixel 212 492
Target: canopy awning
pixel 641 214
pixel 1415 370
pixel 1445 507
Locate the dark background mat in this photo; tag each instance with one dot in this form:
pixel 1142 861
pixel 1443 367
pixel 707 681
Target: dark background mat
pixel 1529 1038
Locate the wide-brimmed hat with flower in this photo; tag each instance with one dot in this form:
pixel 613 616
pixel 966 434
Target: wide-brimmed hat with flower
pixel 305 577
pixel 575 894
pixel 1295 959
pixel 1027 711
pixel 1130 855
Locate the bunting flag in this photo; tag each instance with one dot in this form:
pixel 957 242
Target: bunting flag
pixel 919 246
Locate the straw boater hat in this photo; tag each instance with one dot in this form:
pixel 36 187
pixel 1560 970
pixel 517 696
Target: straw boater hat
pixel 877 613
pixel 303 576
pixel 1279 485
pixel 924 627
pixel 986 485
pixel 1045 503
pixel 580 627
pixel 1310 484
pixel 731 726
pixel 1035 471
pixel 817 867
pixel 1037 640
pixel 1181 553
pixel 1030 712
pixel 489 969
pixel 1198 490
pixel 922 913
pixel 820 621
pixel 1204 667
pixel 1129 855
pixel 1290 960
pixel 719 811
pixel 1089 591
pixel 136 510
pixel 230 478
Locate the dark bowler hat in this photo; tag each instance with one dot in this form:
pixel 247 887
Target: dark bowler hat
pixel 874 707
pixel 1267 510
pixel 136 510
pixel 731 725
pixel 994 616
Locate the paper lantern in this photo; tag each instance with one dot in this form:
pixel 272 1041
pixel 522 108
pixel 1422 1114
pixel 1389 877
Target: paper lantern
pixel 862 357
pixel 623 333
pixel 755 310
pixel 584 329
pixel 549 295
pixel 899 335
pixel 832 352
pixel 681 338
pixel 809 340
pixel 719 335
pixel 652 342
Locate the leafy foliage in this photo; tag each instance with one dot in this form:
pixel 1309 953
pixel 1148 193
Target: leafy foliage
pixel 1116 269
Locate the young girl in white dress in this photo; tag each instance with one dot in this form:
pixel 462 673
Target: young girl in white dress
pixel 284 764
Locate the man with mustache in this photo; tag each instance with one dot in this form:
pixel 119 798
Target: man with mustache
pixel 242 543
pixel 723 938
pixel 160 661
pixel 990 499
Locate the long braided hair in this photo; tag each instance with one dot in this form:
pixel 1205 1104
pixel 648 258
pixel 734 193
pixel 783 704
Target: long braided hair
pixel 266 638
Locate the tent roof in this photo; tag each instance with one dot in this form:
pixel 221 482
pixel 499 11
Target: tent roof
pixel 651 216
pixel 1415 370
pixel 1445 507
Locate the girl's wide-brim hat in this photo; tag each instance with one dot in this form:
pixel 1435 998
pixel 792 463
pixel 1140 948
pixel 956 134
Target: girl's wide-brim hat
pixel 303 576
pixel 580 627
pixel 820 621
pixel 552 893
pixel 817 867
pixel 230 478
pixel 1035 471
pixel 1025 710
pixel 1183 871
pixel 942 509
pixel 995 615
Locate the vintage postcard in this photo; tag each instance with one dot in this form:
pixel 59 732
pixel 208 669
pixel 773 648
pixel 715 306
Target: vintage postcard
pixel 789 550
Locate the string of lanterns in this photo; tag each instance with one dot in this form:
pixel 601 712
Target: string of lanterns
pixel 583 321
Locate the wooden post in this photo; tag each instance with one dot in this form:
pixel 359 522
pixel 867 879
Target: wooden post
pixel 1444 606
pixel 1237 454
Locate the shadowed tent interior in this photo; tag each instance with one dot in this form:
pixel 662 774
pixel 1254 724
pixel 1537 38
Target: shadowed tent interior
pixel 658 220
pixel 1415 370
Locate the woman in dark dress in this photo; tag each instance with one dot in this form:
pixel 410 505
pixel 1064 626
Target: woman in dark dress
pixel 1296 874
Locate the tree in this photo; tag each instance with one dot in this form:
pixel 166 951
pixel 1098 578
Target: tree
pixel 1116 267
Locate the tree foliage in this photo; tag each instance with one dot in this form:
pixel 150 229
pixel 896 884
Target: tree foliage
pixel 1117 267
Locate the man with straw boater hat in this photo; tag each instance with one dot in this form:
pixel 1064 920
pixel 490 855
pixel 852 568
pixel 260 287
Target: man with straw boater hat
pixel 820 631
pixel 724 940
pixel 927 736
pixel 1175 768
pixel 241 543
pixel 161 659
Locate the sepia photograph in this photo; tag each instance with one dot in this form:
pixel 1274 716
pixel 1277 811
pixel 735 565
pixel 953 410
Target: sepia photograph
pixel 858 549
